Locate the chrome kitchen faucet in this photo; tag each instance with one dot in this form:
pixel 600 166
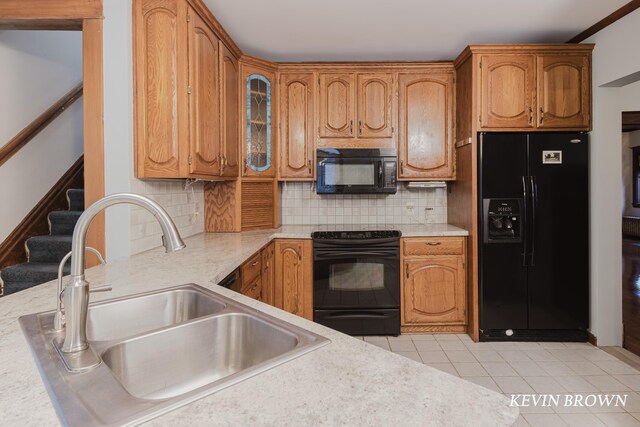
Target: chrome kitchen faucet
pixel 75 350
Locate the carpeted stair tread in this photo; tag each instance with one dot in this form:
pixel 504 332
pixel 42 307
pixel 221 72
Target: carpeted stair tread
pixel 48 248
pixel 63 222
pixel 35 272
pixel 76 199
pixel 44 253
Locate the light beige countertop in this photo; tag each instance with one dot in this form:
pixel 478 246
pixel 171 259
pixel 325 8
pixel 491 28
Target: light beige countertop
pixel 347 382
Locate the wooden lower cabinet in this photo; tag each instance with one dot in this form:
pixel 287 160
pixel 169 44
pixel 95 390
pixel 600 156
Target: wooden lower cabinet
pixel 268 273
pixel 293 290
pixel 433 287
pixel 281 275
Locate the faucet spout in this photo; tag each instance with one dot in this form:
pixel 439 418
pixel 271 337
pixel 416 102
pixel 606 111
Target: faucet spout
pixel 76 291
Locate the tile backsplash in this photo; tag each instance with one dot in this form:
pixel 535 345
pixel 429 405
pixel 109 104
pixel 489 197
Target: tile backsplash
pixel 301 206
pixel 185 206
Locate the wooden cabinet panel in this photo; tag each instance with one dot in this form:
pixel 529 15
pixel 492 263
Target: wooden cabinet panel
pixel 229 119
pixel 374 105
pixel 337 105
pixel 434 291
pixel 296 126
pixel 433 246
pixel 425 121
pixel 268 273
pixel 159 86
pixel 507 91
pixel 204 98
pixel 293 278
pixel 254 289
pixel 564 89
pixel 251 269
pixel 258 204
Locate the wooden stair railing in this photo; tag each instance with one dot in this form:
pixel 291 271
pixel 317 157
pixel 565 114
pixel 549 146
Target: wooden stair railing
pixel 41 122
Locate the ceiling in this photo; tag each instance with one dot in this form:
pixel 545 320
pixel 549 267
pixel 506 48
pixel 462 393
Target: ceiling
pixel 373 30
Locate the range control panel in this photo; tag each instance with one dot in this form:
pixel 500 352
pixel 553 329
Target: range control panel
pixel 356 235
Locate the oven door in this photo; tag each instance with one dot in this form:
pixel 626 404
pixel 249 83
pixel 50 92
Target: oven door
pixel 350 175
pixel 352 277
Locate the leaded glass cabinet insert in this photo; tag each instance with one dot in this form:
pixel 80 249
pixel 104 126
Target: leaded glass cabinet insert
pixel 258 123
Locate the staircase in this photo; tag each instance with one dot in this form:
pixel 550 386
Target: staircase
pixel 44 253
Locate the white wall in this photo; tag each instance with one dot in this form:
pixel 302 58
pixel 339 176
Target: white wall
pixel 612 61
pixel 131 230
pixel 37 69
pixel 629 140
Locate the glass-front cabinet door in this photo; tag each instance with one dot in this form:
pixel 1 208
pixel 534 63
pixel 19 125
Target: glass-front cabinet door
pixel 258 130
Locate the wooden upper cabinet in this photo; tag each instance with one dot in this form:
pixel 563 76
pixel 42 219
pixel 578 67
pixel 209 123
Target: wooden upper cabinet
pixel 257 116
pixel 160 83
pixel 434 291
pixel 230 143
pixel 374 105
pixel 204 98
pixel 425 125
pixel 337 105
pixel 564 88
pixel 296 147
pixel 507 91
pixel 293 278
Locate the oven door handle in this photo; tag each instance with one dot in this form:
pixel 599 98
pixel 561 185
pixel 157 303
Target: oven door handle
pixel 355 254
pixel 357 315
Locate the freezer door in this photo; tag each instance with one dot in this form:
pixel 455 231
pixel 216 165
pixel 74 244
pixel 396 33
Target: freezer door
pixel 503 277
pixel 559 273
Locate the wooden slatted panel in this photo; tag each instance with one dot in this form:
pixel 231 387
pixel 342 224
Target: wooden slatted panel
pixel 258 203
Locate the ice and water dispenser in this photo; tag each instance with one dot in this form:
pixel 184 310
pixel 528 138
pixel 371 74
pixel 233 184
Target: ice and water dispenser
pixel 502 220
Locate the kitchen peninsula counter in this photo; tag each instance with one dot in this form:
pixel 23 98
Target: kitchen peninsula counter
pixel 347 382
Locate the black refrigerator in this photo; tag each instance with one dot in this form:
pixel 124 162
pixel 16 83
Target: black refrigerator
pixel 533 236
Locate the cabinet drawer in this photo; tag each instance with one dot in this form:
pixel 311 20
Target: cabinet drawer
pixel 254 290
pixel 433 246
pixel 251 269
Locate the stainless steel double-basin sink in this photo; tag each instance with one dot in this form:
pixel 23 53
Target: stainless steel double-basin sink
pixel 161 350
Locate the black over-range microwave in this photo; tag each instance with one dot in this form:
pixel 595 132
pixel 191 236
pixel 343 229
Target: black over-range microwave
pixel 356 170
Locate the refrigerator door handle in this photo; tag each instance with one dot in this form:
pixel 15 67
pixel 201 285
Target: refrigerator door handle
pixel 525 230
pixel 534 208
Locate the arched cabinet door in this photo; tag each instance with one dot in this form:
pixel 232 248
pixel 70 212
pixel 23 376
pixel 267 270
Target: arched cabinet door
pixel 508 88
pixel 160 80
pixel 425 126
pixel 374 105
pixel 204 98
pixel 293 288
pixel 258 133
pixel 296 117
pixel 434 291
pixel 564 91
pixel 337 105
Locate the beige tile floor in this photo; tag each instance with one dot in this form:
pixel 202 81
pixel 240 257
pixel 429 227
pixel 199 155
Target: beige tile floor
pixel 520 367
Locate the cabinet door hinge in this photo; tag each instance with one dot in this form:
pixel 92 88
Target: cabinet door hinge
pixel 480 118
pixel 190 160
pixel 189 89
pixel 480 63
